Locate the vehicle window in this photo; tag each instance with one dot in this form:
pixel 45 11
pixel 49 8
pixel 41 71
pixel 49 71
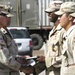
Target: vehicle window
pixel 19 33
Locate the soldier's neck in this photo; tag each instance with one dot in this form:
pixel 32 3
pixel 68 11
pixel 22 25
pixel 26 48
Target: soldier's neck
pixel 56 23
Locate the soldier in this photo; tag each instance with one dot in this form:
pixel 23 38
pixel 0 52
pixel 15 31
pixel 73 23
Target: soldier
pixel 67 16
pixel 8 49
pixel 54 42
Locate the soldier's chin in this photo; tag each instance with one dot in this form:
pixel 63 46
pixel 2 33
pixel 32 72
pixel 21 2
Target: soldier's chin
pixel 50 19
pixel 61 25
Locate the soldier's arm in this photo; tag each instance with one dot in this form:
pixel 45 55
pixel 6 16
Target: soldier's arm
pixel 5 57
pixel 59 57
pixel 73 46
pixel 41 59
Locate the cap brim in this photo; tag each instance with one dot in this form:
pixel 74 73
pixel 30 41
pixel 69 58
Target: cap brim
pixel 59 13
pixel 9 15
pixel 48 10
pixel 73 14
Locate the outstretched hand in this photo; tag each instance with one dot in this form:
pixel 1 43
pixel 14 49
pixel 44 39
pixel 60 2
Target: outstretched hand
pixel 41 59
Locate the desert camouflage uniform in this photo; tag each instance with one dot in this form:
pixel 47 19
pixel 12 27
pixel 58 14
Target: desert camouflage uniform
pixel 68 61
pixel 53 57
pixel 8 52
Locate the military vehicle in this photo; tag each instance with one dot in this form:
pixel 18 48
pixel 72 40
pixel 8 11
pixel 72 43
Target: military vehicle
pixel 31 14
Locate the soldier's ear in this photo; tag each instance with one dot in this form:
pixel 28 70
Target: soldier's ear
pixel 71 18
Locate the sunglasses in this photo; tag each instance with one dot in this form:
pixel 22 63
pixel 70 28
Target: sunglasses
pixel 2 14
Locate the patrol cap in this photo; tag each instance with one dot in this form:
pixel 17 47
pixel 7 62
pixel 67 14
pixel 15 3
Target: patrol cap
pixel 67 7
pixel 73 14
pixel 6 10
pixel 54 5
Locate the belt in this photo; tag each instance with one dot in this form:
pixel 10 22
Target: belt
pixel 71 65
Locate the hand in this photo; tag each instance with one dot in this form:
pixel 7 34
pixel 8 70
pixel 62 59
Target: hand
pixel 22 59
pixel 27 70
pixel 41 59
pixel 26 56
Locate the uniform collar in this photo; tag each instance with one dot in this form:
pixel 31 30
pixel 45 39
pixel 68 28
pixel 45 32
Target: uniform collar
pixel 58 28
pixel 3 30
pixel 70 30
